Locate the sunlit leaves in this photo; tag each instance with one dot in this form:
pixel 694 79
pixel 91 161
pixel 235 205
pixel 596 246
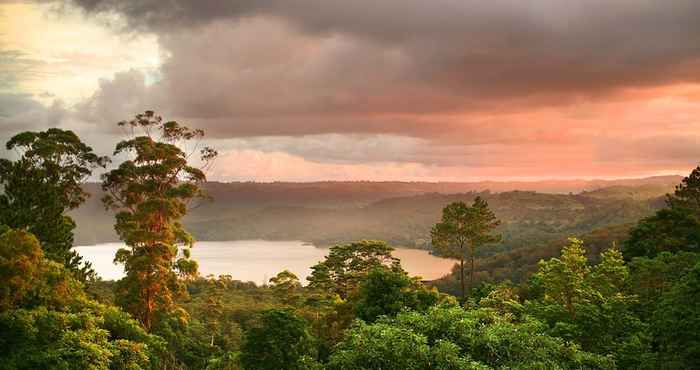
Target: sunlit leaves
pixel 150 192
pixel 286 287
pixel 20 267
pixel 564 278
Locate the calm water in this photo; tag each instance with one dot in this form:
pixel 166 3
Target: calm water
pixel 259 260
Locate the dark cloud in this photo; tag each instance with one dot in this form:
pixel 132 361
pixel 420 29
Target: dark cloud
pixel 460 38
pixel 291 67
pixel 540 86
pixel 21 112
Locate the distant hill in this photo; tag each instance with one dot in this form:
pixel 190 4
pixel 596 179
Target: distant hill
pixel 518 264
pixel 333 194
pixel 639 192
pixel 399 212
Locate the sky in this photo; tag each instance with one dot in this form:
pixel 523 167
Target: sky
pixel 414 90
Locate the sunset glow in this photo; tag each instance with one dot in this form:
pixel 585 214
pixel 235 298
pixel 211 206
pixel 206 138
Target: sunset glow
pixel 328 91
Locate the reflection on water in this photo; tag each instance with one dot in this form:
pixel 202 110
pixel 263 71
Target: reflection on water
pixel 259 260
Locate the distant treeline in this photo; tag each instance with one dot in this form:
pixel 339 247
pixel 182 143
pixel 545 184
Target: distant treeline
pixel 341 214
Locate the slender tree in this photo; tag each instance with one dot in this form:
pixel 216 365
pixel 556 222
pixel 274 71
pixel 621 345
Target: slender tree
pixel 462 231
pixel 42 185
pixel 151 192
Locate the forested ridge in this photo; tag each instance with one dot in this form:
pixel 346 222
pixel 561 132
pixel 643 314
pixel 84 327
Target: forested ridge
pixel 525 293
pixel 527 217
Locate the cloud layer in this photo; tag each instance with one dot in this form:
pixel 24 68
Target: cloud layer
pixel 457 88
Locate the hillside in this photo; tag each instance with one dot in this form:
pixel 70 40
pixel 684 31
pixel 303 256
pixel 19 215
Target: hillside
pixel 401 213
pixel 518 264
pixel 527 217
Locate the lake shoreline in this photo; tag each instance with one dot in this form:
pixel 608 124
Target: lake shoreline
pixel 258 260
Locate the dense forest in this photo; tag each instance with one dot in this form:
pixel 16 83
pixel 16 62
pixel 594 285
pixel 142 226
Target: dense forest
pixel 623 295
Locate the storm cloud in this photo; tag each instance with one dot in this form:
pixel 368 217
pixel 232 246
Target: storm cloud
pixel 273 67
pixel 504 87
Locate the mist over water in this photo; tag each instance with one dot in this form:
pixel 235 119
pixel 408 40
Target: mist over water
pixel 259 260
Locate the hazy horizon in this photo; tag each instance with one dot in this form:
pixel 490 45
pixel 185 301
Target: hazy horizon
pixel 497 180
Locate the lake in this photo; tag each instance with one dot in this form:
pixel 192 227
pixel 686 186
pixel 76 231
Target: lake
pixel 259 260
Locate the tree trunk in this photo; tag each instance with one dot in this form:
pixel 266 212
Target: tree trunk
pixel 471 274
pixel 570 306
pixel 148 311
pixel 461 279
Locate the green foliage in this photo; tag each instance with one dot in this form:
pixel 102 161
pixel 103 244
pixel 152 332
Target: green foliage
pixel 611 275
pixel 454 338
pixel 280 341
pixel 669 230
pixel 150 193
pixel 673 229
pixel 676 323
pixel 592 305
pixel 651 278
pixel 687 193
pixel 188 341
pixel 386 346
pixel 79 339
pixel 504 299
pixel 30 280
pixel 386 293
pixel 381 346
pixel 42 185
pixel 286 287
pixel 462 231
pixel 563 278
pixel 20 267
pixel 347 264
pixel 227 361
pixel 334 283
pixel 519 264
pixel 46 321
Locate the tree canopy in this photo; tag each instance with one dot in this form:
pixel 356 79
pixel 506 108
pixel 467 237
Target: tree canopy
pixel 42 184
pixel 674 228
pixel 386 293
pixel 150 192
pixel 462 230
pixel 347 264
pixel 47 321
pixel 280 341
